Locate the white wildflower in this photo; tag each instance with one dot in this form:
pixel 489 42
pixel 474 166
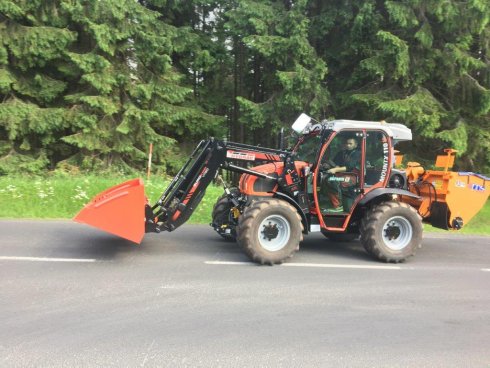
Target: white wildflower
pixel 80 194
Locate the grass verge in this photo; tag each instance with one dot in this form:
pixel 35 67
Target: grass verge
pixel 479 225
pixel 63 197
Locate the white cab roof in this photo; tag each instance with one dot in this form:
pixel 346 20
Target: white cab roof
pixel 398 132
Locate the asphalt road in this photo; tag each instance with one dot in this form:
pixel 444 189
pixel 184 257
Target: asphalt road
pixel 73 296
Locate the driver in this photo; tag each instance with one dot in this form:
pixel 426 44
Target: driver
pixel 347 160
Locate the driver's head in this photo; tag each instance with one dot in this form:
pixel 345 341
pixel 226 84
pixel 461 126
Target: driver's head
pixel 350 144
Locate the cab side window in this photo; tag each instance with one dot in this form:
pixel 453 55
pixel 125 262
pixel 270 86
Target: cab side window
pixel 376 164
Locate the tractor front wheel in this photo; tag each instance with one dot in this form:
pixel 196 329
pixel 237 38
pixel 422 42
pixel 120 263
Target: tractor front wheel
pixel 270 231
pixel 391 231
pixel 224 219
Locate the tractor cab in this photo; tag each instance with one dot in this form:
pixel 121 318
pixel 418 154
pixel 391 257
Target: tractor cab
pixel 348 159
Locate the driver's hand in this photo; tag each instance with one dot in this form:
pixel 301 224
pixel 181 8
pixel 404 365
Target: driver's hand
pixel 331 171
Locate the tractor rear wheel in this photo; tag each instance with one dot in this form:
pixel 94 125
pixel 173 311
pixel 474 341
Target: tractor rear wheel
pixel 391 231
pixel 270 231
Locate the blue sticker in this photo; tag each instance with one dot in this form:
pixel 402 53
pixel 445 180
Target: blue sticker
pixel 478 188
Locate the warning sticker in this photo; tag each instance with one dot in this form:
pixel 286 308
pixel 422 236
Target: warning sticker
pixel 240 155
pixel 437 184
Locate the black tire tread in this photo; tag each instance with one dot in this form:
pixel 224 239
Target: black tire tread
pixel 222 204
pixel 246 222
pixel 371 222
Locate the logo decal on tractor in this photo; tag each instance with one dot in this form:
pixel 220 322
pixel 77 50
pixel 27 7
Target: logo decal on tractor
pixel 240 155
pixel 384 170
pixel 460 184
pixel 478 188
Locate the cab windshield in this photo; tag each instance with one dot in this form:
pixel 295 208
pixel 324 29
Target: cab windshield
pixel 307 147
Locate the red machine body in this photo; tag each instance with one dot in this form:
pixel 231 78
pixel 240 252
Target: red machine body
pixel 284 194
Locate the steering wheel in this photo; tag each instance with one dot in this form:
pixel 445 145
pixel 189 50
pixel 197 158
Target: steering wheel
pixel 324 167
pixel 328 164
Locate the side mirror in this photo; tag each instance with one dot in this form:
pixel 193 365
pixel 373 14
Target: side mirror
pixel 301 123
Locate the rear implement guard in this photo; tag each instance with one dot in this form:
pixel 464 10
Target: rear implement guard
pixel 449 200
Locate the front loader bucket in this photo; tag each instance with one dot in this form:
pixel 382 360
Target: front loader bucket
pixel 119 210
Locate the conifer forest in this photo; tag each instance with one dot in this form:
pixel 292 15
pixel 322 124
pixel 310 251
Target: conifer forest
pixel 87 85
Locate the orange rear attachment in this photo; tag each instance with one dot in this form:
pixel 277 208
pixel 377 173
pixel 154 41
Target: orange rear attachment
pixel 119 210
pixel 448 199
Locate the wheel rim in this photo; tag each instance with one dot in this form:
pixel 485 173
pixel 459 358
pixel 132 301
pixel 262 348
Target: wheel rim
pixel 274 232
pixel 397 233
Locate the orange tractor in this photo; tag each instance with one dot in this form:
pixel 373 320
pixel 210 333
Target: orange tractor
pixel 339 179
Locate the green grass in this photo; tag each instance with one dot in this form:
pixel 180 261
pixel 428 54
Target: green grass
pixel 479 225
pixel 63 196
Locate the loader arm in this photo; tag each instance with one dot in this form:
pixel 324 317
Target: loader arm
pixel 123 210
pixel 187 188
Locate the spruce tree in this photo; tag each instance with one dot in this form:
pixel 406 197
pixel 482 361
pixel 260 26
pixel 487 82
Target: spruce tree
pixel 421 63
pixel 33 39
pixel 201 57
pixel 97 81
pixel 277 72
pixel 94 81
